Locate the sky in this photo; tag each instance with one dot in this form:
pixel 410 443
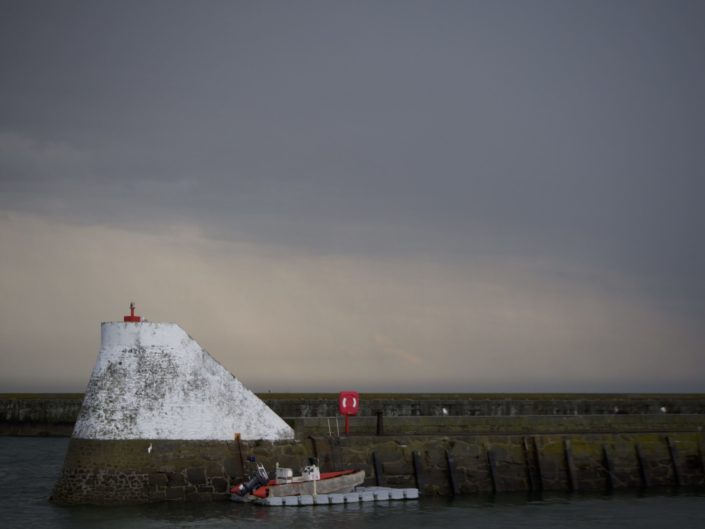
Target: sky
pixel 469 196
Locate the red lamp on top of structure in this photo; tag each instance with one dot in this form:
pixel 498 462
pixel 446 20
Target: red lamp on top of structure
pixel 132 318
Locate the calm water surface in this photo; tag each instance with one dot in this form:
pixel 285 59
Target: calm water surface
pixel 29 467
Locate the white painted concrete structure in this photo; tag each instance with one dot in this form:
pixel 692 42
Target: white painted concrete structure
pixel 153 381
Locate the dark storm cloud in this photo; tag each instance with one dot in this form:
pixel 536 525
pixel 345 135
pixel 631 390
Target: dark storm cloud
pixel 563 132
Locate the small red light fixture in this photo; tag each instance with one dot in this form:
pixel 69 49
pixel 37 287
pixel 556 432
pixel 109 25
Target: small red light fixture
pixel 348 404
pixel 132 318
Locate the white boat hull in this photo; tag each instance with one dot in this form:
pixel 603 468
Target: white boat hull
pixel 359 495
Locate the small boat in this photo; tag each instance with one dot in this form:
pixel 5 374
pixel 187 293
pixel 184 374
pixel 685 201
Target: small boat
pixel 311 482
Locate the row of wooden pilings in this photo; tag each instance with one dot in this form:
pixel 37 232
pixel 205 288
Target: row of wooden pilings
pixel 534 473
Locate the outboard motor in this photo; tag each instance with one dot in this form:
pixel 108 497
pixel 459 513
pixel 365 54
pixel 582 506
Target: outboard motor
pixel 260 479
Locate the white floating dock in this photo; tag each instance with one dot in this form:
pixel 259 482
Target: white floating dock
pixel 361 495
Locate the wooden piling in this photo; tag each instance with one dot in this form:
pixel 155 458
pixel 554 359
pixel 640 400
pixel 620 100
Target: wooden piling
pixel 539 464
pixel 608 462
pixel 377 464
pixel 241 457
pixel 492 463
pixel 571 469
pixel 418 471
pixel 453 482
pixel 643 473
pixel 529 464
pixel 673 452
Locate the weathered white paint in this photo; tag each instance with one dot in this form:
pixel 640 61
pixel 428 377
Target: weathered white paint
pixel 153 381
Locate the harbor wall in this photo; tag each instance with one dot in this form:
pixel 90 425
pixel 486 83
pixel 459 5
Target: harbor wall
pixel 444 444
pixel 517 425
pixel 39 414
pixel 487 404
pixel 55 414
pixel 141 471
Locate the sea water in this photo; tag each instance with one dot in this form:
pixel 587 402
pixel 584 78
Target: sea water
pixel 29 467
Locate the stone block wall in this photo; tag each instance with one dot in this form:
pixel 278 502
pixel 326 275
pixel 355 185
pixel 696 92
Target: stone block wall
pixel 143 471
pixel 518 425
pixel 507 463
pixel 55 414
pixel 487 404
pixel 39 415
pixel 110 472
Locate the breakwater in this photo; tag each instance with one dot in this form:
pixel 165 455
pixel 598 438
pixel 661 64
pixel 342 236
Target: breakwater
pixel 487 404
pixel 109 472
pixel 55 414
pixel 39 414
pixel 444 444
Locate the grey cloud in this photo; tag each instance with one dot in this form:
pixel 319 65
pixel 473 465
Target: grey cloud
pixel 566 133
pixel 328 322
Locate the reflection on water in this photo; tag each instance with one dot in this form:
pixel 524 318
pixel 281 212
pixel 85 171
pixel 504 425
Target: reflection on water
pixel 29 467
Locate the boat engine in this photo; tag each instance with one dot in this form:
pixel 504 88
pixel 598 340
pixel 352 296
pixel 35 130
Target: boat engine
pixel 258 480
